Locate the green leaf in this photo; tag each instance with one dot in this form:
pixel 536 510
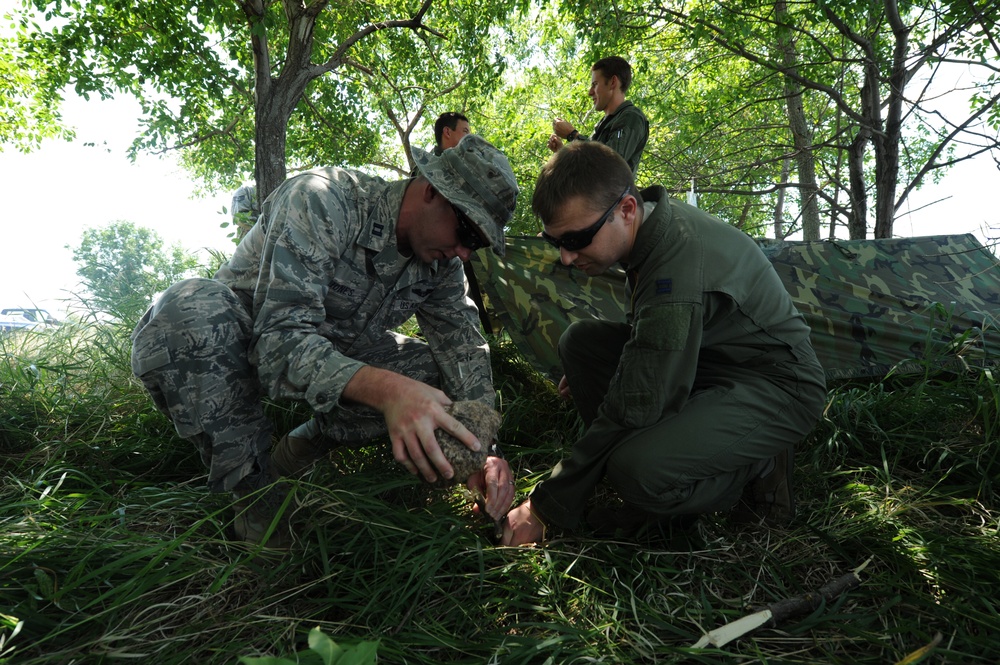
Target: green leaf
pixel 363 653
pixel 324 646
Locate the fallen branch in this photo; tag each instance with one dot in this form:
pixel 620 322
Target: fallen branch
pixel 777 613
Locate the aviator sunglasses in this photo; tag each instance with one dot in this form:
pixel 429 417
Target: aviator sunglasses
pixel 467 234
pixel 573 241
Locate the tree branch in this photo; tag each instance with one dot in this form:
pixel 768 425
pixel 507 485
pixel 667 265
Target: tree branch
pixel 415 22
pixel 226 131
pixel 931 163
pixel 254 10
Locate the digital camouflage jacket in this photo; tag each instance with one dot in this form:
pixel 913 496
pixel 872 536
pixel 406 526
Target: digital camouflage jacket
pixel 322 276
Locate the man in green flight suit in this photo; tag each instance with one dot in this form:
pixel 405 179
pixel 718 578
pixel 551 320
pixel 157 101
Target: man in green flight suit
pixel 623 128
pixel 305 310
pixel 695 403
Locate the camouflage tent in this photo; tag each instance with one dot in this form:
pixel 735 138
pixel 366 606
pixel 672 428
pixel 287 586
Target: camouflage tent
pixel 873 305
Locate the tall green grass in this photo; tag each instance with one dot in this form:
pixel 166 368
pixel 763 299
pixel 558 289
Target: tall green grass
pixel 112 551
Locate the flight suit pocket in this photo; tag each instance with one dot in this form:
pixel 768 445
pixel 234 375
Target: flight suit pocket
pixel 664 327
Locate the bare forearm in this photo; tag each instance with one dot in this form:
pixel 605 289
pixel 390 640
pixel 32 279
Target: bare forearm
pixel 376 387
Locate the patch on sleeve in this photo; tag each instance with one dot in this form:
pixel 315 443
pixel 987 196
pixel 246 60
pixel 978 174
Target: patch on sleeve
pixel 664 327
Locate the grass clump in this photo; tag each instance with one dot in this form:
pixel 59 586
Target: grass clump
pixel 110 548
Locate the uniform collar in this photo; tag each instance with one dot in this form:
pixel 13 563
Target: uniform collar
pixel 621 107
pixel 379 230
pixel 654 226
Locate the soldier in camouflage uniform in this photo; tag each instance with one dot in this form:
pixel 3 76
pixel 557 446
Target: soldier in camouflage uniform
pixel 694 404
pixel 449 128
pixel 305 310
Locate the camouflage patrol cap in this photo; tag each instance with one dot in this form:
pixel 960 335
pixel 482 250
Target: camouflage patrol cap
pixel 477 178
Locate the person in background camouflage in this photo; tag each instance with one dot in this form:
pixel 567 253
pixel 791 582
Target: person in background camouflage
pixel 623 128
pixel 694 404
pixel 245 209
pixel 305 310
pixel 245 203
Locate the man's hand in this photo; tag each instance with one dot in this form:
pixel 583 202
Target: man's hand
pixel 555 143
pixel 564 390
pixel 412 411
pixel 411 423
pixel 562 128
pixel 496 483
pixel 523 527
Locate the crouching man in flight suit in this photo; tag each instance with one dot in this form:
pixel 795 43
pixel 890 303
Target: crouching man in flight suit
pixel 693 405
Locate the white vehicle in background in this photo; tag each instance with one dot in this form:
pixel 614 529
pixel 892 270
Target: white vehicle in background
pixel 26 318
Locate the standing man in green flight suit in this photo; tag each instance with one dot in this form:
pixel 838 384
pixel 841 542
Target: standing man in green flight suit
pixel 623 128
pixel 695 403
pixel 306 310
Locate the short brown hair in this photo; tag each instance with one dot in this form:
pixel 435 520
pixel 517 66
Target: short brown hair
pixel 581 168
pixel 614 65
pixel 449 119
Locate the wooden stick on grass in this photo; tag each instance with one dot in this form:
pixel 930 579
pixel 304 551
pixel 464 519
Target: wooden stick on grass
pixel 777 613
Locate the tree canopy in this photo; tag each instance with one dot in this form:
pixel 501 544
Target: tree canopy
pixel 123 266
pixel 854 91
pixel 248 87
pixel 782 116
pixel 29 108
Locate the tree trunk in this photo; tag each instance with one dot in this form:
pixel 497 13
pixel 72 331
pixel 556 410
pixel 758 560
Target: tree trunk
pixel 779 206
pixel 276 97
pixel 887 144
pixel 269 151
pixel 799 126
pixel 870 126
pixel 857 223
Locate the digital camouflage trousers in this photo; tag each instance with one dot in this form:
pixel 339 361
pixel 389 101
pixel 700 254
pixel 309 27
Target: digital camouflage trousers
pixel 190 352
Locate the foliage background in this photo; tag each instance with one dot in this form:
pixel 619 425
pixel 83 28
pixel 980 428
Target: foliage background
pixel 754 105
pixel 123 266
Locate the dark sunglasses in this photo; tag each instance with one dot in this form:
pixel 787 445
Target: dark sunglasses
pixel 467 233
pixel 573 241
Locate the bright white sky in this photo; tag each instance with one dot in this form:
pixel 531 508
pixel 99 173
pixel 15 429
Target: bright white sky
pixel 51 195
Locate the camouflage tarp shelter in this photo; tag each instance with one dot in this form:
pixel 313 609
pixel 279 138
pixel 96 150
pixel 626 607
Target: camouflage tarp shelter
pixel 872 304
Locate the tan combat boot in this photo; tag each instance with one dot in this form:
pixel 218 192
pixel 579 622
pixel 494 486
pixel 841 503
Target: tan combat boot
pixel 262 510
pixel 292 456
